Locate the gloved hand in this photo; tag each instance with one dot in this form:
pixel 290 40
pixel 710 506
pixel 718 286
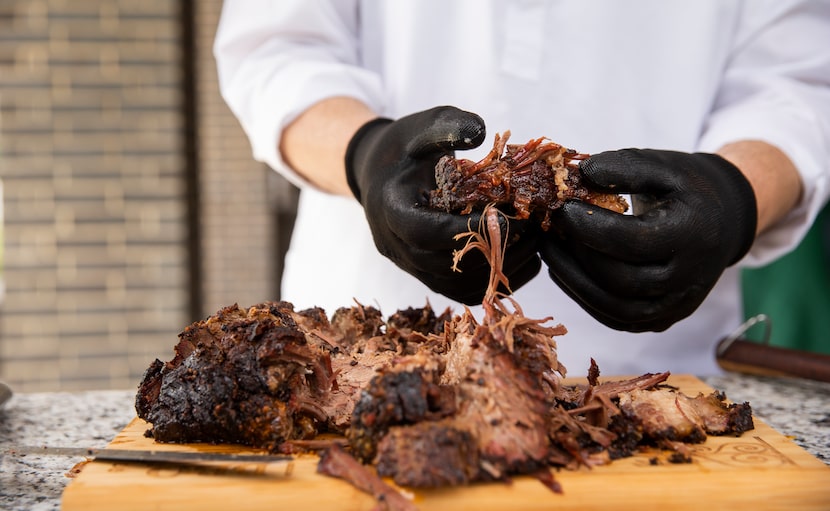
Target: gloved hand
pixel 390 167
pixel 694 215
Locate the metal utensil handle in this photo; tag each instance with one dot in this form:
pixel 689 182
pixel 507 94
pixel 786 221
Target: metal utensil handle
pixel 741 330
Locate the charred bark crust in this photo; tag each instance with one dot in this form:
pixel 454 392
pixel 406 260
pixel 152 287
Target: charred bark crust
pixel 268 374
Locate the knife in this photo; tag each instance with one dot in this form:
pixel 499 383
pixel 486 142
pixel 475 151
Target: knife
pixel 147 456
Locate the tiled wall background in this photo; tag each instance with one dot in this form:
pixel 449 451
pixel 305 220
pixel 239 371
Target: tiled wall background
pixel 241 200
pixel 124 177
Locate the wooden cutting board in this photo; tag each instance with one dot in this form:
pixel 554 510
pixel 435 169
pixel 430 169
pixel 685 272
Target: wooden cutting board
pixel 762 469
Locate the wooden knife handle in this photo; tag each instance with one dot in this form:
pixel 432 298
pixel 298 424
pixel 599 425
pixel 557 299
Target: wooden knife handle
pixel 755 358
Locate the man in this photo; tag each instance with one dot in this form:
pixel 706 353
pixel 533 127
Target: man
pixel 733 97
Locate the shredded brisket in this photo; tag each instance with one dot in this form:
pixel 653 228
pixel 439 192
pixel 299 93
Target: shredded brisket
pixel 527 180
pixel 427 400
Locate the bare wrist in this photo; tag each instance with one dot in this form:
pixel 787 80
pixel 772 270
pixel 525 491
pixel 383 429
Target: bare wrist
pixel 314 144
pixel 773 176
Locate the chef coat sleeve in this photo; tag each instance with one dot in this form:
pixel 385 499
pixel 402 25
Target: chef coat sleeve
pixel 277 58
pixel 776 88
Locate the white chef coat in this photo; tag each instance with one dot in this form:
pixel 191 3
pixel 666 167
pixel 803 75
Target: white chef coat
pixel 593 75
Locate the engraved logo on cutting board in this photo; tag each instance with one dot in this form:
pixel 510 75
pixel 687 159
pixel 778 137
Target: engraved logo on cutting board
pixel 743 452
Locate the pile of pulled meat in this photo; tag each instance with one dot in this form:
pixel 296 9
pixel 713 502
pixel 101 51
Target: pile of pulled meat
pixel 428 400
pixel 425 399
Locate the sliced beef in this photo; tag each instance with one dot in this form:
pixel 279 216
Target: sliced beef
pixel 669 415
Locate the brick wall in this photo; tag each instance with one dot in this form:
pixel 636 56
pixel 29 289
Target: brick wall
pixel 100 184
pixel 91 159
pixel 239 255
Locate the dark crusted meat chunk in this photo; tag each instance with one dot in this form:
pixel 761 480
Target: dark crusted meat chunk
pixel 429 454
pixel 241 377
pixel 396 397
pixel 267 374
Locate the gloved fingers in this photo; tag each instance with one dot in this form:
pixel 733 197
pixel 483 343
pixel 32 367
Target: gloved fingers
pixel 617 276
pixel 469 287
pixel 403 211
pixel 642 203
pixel 566 272
pixel 517 238
pixel 654 236
pixel 515 231
pixel 520 274
pixel 716 200
pixel 468 281
pixel 694 215
pixel 463 294
pixel 519 265
pixel 631 171
pixel 520 247
pixel 619 313
pixel 442 129
pixel 626 315
pixel 406 213
pixel 432 263
pixel 428 229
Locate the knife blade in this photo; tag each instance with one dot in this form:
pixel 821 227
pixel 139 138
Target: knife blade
pixel 147 456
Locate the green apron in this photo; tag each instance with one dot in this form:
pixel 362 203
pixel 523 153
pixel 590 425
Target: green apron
pixel 794 292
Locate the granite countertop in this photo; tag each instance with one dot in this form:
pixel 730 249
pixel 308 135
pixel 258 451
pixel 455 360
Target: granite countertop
pixel 797 408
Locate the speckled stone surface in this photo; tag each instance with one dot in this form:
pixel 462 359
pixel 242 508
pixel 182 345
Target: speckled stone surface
pixel 59 419
pixel 797 408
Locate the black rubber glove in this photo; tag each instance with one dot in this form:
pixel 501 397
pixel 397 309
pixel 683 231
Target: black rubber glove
pixel 390 167
pixel 694 215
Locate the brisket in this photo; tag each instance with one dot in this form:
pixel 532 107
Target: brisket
pixel 529 180
pixel 427 400
pixel 429 403
pixel 265 375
